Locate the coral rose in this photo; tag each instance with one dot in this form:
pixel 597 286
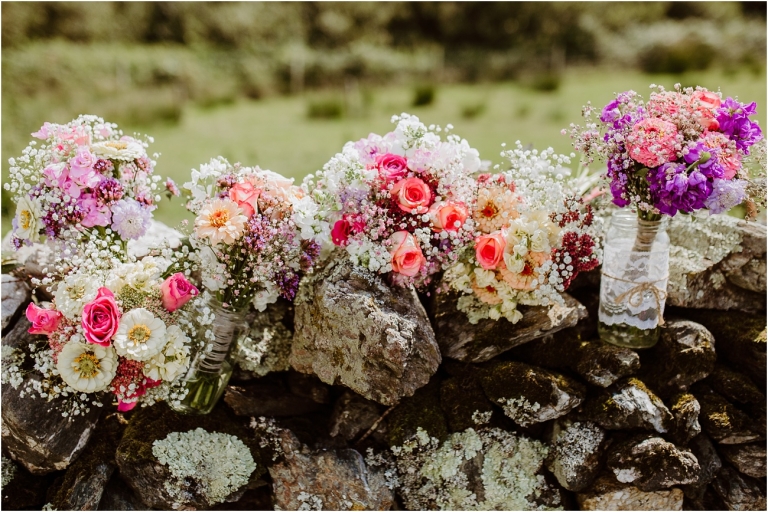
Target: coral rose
pixel 246 196
pixel 706 102
pixel 489 250
pixel 391 167
pixel 44 321
pixel 653 142
pixel 448 216
pixel 101 318
pixel 177 291
pixel 407 257
pixel 412 195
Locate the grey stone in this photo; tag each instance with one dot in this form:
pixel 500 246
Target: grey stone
pixel 462 398
pixel 353 415
pixel 118 496
pixel 626 405
pixel 485 340
pixel 529 394
pixel 608 494
pixel 16 294
pixel 576 451
pixel 747 458
pixel 685 409
pixel 268 344
pixel 326 479
pixel 684 354
pixel 709 461
pixel 85 480
pixel 738 492
pixel 422 410
pixel 270 398
pixel 651 463
pixel 600 364
pixel 717 262
pixel 724 422
pixel 34 432
pixel 735 387
pixel 354 329
pixel 308 386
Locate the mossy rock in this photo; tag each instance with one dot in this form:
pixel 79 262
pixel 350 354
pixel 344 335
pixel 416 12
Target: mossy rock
pixel 461 398
pixel 146 476
pixel 739 337
pixel 628 405
pixel 420 410
pixel 723 421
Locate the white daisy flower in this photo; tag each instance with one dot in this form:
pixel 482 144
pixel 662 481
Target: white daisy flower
pixel 27 217
pixel 143 275
pixel 87 367
pixel 140 336
pixel 221 220
pixel 73 293
pixel 174 358
pixel 118 149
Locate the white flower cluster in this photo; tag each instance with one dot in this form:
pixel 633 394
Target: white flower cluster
pixel 12 358
pixel 8 471
pixel 431 475
pixel 211 463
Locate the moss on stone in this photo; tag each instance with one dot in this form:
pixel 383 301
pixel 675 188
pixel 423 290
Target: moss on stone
pixel 420 410
pixel 461 397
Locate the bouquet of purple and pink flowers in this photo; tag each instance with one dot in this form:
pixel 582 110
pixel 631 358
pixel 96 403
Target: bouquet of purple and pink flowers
pixel 682 151
pixel 83 176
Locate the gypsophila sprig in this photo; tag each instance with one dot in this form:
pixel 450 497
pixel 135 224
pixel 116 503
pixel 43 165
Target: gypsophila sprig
pixel 83 177
pixel 211 464
pixel 533 236
pixel 398 204
pixel 121 329
pixel 249 245
pixel 681 151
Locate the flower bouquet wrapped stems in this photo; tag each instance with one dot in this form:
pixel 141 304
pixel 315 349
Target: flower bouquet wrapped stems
pixel 249 251
pixel 680 152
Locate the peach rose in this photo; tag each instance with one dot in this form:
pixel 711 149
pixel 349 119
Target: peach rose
pixel 246 196
pixel 44 321
pixel 413 195
pixel 407 257
pixel 447 215
pixel 489 250
pixel 706 102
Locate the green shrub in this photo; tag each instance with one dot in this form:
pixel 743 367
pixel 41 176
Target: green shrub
pixel 331 107
pixel 423 95
pixel 546 81
pixel 473 110
pixel 685 55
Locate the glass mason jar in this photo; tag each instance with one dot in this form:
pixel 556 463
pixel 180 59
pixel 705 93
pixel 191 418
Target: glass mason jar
pixel 210 370
pixel 633 285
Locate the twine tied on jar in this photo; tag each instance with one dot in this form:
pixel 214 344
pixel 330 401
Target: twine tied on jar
pixel 634 296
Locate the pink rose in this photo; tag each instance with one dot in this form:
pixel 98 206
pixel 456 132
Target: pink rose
pixel 653 142
pixel 125 406
pixel 449 216
pixel 489 250
pixel 246 196
pixel 81 169
pixel 407 257
pixel 56 174
pixel 44 321
pixel 70 188
pixel 413 195
pixel 706 103
pixel 101 318
pixel 340 232
pixel 391 167
pixel 44 132
pixel 177 291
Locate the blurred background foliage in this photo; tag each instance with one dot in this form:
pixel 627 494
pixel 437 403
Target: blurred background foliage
pixel 283 85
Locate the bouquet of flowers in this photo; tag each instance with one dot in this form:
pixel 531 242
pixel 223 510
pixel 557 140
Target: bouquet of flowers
pixel 398 204
pixel 83 176
pixel 125 330
pixel 250 248
pixel 532 239
pixel 682 151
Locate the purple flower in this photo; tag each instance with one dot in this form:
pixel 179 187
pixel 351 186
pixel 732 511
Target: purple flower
pixel 725 195
pixel 310 250
pixel 611 112
pixel 710 168
pixel 288 283
pixel 673 190
pixel 109 190
pixel 130 219
pixel 734 122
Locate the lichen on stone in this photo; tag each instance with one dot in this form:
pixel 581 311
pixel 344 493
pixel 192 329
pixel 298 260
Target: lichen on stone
pixel 265 349
pixel 219 464
pixel 485 469
pixel 520 409
pixel 9 471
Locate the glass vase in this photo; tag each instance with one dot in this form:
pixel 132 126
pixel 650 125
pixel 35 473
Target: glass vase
pixel 210 370
pixel 633 285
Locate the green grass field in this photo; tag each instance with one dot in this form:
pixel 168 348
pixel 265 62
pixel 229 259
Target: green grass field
pixel 276 133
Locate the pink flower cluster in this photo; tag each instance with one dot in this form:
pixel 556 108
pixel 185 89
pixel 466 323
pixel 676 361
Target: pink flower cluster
pixel 682 151
pixel 99 322
pixel 85 174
